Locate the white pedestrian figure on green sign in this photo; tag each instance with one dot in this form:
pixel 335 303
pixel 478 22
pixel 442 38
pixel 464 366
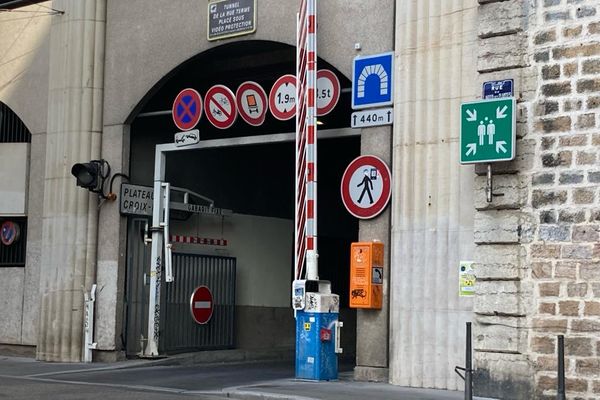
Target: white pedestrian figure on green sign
pixel 481 132
pixel 491 131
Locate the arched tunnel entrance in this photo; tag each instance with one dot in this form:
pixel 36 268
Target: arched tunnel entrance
pixel 249 170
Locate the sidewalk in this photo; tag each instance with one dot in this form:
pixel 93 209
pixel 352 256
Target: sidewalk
pixel 263 380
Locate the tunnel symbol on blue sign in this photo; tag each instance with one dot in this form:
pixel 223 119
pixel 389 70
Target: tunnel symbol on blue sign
pixel 372 81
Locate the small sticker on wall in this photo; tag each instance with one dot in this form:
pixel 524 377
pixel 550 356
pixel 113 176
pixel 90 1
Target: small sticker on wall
pixel 310 360
pixel 307 326
pixel 466 279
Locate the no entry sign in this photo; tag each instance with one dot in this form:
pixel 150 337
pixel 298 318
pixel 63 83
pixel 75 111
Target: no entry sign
pixel 252 103
pixel 328 91
pixel 201 305
pixel 282 99
pixel 220 106
pixel 366 187
pixel 187 109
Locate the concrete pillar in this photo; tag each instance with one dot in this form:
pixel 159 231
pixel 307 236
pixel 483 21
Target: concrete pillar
pixel 372 326
pixel 432 194
pixel 70 216
pixel 112 241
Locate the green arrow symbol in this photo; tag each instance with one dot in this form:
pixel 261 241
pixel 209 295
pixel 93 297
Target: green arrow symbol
pixel 472 115
pixel 500 113
pixel 500 146
pixel 472 148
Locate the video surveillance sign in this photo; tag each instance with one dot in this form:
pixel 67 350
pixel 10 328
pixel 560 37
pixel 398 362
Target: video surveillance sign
pixel 229 18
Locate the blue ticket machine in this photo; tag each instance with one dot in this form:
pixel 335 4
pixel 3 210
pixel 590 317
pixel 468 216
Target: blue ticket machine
pixel 317 332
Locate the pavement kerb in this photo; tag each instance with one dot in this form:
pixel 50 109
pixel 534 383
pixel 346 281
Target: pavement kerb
pixel 251 395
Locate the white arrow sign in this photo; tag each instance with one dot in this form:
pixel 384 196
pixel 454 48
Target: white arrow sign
pixel 472 148
pixel 500 113
pixel 472 115
pixel 500 146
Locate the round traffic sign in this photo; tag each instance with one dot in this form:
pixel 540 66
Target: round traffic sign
pixel 282 99
pixel 201 305
pixel 187 109
pixel 252 103
pixel 328 91
pixel 9 233
pixel 220 106
pixel 366 187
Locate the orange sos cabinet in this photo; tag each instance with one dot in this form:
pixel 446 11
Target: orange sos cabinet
pixel 366 275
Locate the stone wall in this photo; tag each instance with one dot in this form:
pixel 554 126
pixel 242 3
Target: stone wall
pixel 537 245
pixel 505 227
pixel 565 253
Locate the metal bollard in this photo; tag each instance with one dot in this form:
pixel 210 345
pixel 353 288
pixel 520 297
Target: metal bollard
pixel 468 377
pixel 561 392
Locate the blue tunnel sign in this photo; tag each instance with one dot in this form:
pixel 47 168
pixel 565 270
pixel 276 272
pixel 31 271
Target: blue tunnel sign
pixel 372 84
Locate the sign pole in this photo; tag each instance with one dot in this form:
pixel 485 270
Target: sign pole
pixel 312 266
pixel 151 349
pixel 489 188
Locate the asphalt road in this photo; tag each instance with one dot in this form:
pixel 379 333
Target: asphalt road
pixel 12 388
pixel 27 379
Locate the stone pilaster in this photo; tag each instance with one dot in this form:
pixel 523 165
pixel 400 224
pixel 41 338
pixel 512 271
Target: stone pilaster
pixel 70 215
pixel 504 227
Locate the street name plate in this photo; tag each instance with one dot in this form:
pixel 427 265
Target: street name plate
pixel 136 199
pixel 228 18
pixel 498 89
pixel 373 117
pixel 487 131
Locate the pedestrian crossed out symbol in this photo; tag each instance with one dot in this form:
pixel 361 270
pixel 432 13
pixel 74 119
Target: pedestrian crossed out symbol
pixel 366 186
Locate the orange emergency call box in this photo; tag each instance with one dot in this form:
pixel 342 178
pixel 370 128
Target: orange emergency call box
pixel 366 275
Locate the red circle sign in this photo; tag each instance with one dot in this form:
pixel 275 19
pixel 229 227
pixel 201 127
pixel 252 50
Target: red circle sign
pixel 282 99
pixel 201 305
pixel 220 106
pixel 187 109
pixel 328 91
pixel 252 103
pixel 9 233
pixel 366 187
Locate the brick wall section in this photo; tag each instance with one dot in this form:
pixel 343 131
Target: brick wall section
pixel 504 228
pixel 564 196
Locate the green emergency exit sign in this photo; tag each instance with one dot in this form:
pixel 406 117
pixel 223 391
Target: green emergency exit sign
pixel 487 131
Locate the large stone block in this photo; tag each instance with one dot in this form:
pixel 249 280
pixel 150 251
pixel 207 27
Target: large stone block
pixel 510 192
pixel 524 158
pixel 501 334
pixel 502 18
pixel 503 376
pixel 497 262
pixel 502 297
pixel 502 52
pixel 503 226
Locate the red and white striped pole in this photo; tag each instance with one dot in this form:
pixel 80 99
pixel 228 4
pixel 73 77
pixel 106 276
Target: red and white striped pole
pixel 306 143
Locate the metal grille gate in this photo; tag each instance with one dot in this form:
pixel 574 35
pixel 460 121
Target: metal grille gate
pixel 191 271
pixel 178 331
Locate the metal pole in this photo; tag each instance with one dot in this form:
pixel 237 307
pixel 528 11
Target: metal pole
pixel 488 188
pixel 561 393
pixel 468 367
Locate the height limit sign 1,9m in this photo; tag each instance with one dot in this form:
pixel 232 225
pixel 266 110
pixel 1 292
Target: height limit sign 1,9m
pixel 487 131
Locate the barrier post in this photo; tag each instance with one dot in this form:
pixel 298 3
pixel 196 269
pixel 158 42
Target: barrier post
pixel 561 393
